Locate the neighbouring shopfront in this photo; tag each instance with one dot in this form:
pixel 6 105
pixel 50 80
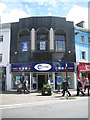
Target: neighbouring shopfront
pixel 37 74
pixel 3 78
pixel 84 70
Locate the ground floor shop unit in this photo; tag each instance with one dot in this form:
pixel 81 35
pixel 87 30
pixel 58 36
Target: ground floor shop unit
pixel 84 70
pixel 2 77
pixel 38 74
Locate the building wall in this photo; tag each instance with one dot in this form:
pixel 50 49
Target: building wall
pixel 5 51
pixel 48 56
pixel 82 46
pixel 36 25
pixel 5 44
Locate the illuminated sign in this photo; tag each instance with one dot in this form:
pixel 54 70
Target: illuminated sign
pixel 43 67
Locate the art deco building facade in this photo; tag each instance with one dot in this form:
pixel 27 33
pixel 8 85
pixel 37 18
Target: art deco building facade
pixel 42 47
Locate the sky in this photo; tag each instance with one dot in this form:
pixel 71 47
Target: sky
pixel 72 10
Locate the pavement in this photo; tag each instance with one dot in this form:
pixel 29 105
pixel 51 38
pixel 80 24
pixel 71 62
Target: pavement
pixel 12 97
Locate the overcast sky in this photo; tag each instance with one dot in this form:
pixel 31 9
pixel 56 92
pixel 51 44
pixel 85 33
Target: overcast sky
pixel 73 10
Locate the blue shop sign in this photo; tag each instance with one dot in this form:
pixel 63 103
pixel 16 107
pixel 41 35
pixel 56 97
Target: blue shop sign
pixel 42 67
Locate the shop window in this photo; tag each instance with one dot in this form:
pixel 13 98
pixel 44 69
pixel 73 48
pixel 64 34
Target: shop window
pixel 88 39
pixel 82 38
pixel 24 41
pixel 60 42
pixel 0 57
pixel 1 38
pixel 83 55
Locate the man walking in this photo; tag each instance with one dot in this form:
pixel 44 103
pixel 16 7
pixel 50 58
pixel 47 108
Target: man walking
pixel 25 85
pixel 79 87
pixel 65 87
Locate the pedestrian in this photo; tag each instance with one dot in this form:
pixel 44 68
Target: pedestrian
pixel 65 87
pixel 25 86
pixel 79 88
pixel 83 83
pixel 58 87
pixel 86 84
pixel 19 86
pixel 49 82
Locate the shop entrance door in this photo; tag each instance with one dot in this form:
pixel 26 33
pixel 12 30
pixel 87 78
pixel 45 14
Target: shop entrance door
pixel 42 79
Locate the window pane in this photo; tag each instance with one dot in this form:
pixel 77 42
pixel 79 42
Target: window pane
pixel 24 38
pixel 82 38
pixel 42 37
pixel 83 55
pixel 42 45
pixel 59 37
pixel 58 45
pixel 60 42
pixel 24 42
pixel 63 48
pixel 0 57
pixel 88 39
pixel 1 38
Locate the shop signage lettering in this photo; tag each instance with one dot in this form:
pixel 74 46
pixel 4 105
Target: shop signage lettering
pixel 43 67
pixel 87 67
pixel 84 66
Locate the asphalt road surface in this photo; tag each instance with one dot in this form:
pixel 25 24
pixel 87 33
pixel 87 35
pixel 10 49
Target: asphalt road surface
pixel 76 108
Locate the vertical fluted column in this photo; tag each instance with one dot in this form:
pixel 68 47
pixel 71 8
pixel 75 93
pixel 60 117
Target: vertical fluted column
pixel 51 39
pixel 33 39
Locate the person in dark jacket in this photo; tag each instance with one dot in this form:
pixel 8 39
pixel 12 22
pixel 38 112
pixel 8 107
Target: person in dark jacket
pixel 25 86
pixel 79 87
pixel 65 87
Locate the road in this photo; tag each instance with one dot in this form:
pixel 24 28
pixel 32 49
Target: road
pixel 74 108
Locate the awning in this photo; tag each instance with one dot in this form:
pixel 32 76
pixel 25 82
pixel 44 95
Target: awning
pixel 84 67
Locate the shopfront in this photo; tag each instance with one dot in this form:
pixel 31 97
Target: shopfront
pixel 84 70
pixel 37 74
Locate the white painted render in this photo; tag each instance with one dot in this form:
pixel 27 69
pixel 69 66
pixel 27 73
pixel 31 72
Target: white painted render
pixel 5 45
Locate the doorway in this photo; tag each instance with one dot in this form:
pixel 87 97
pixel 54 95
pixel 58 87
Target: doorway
pixel 42 79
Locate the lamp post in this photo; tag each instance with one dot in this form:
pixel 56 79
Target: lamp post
pixel 66 71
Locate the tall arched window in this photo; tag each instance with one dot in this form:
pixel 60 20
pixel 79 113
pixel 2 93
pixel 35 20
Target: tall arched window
pixel 60 40
pixel 42 39
pixel 24 40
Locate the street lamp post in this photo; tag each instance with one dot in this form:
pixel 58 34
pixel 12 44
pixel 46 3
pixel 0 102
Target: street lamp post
pixel 66 71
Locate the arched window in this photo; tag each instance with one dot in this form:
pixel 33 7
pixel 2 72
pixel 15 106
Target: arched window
pixel 60 40
pixel 42 39
pixel 24 40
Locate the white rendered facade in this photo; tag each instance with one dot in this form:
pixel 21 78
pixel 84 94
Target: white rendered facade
pixel 5 48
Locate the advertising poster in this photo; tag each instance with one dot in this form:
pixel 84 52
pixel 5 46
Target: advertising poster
pixel 24 46
pixel 59 80
pixel 42 45
pixel 17 79
pixel 68 79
